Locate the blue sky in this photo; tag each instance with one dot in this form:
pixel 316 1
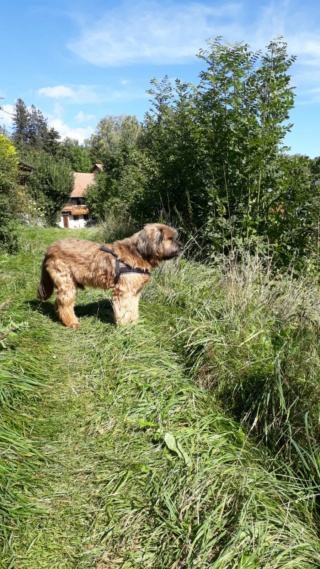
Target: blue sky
pixel 78 61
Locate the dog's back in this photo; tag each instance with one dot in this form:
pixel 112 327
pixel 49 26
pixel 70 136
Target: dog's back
pixel 71 258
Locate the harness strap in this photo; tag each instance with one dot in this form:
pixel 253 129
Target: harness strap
pixel 122 270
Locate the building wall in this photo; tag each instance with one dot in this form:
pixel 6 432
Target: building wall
pixel 74 223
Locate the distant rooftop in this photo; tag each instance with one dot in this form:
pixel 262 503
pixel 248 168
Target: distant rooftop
pixel 97 167
pixel 81 183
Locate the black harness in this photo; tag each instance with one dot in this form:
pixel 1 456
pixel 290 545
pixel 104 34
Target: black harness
pixel 120 270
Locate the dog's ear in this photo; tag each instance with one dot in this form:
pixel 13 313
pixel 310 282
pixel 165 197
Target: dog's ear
pixel 158 238
pixel 149 240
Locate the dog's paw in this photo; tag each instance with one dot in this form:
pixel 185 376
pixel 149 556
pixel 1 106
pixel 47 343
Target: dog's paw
pixel 75 326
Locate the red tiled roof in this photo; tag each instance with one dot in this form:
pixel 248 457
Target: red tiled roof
pixel 81 183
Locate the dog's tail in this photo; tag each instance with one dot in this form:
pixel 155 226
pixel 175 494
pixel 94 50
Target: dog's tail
pixel 46 286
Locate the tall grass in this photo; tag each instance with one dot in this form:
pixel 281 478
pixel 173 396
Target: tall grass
pixel 252 338
pixel 111 230
pixel 176 482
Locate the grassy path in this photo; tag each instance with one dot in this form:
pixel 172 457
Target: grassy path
pixel 63 481
pixel 141 469
pixel 62 536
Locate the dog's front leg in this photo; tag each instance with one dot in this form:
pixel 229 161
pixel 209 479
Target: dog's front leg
pixel 125 298
pixel 126 307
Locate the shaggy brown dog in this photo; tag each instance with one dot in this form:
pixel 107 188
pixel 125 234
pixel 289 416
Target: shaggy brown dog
pixel 124 266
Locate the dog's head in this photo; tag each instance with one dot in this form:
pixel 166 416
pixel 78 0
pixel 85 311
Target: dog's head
pixel 157 242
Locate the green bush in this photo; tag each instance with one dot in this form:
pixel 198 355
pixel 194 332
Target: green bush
pixel 8 196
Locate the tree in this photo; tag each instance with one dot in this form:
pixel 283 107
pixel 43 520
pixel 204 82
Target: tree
pixel 115 144
pixel 77 155
pixel 20 123
pixel 113 134
pixel 293 219
pixel 315 169
pixel 51 143
pixel 50 184
pixel 176 158
pixel 8 194
pixel 214 150
pixel 31 131
pixel 36 129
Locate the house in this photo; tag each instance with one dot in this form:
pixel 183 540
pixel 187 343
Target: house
pixel 24 171
pixel 76 214
pixel 97 168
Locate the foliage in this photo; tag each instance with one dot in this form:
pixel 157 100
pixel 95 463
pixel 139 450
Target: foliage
pixel 77 155
pixel 211 158
pixel 8 195
pixel 215 150
pixel 315 168
pixel 113 135
pixel 292 221
pixel 112 230
pixel 50 184
pixel 117 189
pixel 30 130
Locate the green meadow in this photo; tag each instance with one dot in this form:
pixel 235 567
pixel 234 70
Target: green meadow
pixel 188 441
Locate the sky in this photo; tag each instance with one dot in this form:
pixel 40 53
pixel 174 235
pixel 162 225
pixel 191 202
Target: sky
pixel 81 60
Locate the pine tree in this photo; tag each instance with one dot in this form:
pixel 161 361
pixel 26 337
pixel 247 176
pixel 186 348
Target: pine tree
pixel 52 142
pixel 37 128
pixel 20 123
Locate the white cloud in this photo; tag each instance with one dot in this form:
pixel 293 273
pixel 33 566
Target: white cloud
pixel 58 92
pixel 80 94
pixel 65 131
pixel 152 33
pixel 299 28
pixel 82 117
pixel 306 45
pixel 173 32
pixel 6 115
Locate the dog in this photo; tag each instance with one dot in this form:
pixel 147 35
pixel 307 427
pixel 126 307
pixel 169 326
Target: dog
pixel 124 265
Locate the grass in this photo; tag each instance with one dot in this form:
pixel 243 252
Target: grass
pixel 138 452
pixel 253 339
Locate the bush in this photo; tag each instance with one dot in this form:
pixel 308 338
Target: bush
pixel 50 184
pixel 8 195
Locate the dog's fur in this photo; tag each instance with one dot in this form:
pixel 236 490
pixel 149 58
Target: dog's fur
pixel 72 263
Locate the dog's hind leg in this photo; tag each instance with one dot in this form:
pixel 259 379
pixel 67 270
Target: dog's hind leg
pixel 66 293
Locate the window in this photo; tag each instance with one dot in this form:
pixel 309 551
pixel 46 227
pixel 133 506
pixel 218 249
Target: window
pixel 76 217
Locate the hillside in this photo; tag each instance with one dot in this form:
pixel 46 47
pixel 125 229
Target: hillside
pixel 189 441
